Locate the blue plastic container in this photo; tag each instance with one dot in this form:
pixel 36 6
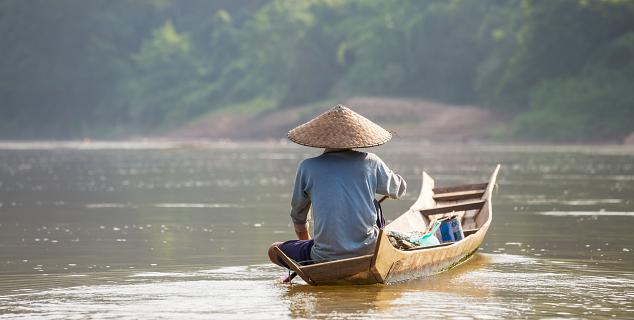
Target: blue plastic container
pixel 450 230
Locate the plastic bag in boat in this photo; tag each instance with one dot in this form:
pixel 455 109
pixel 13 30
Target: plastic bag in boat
pixel 425 240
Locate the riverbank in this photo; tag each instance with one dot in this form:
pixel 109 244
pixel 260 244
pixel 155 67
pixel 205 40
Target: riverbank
pixel 409 120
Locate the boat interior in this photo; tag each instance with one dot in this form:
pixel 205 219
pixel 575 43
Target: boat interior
pixel 467 202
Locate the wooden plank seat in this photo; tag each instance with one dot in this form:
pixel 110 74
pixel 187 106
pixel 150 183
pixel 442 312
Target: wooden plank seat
pixel 464 187
pixel 459 195
pixel 469 205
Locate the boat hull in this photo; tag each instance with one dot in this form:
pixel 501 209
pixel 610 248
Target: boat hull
pixel 405 265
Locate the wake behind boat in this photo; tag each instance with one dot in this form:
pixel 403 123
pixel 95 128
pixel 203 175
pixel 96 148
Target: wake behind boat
pixel 471 203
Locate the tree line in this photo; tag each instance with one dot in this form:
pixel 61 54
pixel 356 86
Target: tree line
pixel 561 70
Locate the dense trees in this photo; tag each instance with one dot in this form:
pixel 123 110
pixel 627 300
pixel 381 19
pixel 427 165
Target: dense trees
pixel 570 73
pixel 71 68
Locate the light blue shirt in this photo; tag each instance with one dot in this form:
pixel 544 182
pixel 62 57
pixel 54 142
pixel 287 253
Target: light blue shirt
pixel 341 187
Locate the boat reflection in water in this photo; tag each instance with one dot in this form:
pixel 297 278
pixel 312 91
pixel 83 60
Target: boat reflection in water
pixel 447 289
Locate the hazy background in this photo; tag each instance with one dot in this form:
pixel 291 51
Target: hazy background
pixel 553 71
pixel 156 228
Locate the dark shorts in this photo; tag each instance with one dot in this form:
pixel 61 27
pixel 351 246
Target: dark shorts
pixel 298 250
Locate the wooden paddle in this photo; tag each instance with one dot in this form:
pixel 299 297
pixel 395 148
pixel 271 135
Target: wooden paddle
pixel 288 278
pixel 292 275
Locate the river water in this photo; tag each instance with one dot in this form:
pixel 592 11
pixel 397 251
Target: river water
pixel 180 230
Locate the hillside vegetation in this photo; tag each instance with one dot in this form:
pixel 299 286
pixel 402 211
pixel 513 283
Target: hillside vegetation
pixel 407 119
pixel 560 70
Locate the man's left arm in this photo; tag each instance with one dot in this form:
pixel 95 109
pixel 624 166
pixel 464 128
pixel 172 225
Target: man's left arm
pixel 301 230
pixel 300 205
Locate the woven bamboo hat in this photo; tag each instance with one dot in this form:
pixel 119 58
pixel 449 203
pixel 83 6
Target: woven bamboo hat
pixel 339 128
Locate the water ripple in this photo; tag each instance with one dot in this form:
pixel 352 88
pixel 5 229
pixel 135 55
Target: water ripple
pixel 586 213
pixel 489 286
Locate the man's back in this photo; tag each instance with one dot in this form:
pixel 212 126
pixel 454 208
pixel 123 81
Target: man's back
pixel 341 187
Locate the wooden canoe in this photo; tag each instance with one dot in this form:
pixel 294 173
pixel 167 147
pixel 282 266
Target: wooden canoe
pixel 471 202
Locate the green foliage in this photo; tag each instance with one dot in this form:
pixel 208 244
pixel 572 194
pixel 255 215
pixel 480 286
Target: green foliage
pixel 166 82
pixel 419 49
pixel 73 68
pixel 552 39
pixel 596 105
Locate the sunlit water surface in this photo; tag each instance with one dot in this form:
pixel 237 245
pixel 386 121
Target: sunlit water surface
pixel 180 230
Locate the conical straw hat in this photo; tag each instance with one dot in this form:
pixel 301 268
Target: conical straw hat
pixel 339 128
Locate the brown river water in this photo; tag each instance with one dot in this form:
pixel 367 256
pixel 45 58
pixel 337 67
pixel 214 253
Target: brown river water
pixel 180 230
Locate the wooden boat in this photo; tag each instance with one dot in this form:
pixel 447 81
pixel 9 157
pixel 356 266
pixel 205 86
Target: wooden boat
pixel 472 204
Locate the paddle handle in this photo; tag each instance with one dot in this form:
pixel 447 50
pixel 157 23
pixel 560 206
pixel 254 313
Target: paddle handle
pixel 383 199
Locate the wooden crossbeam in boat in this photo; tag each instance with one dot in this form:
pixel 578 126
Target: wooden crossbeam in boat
pixel 463 187
pixel 430 247
pixel 459 195
pixel 469 205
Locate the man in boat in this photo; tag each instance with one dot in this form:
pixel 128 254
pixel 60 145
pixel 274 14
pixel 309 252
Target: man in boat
pixel 340 186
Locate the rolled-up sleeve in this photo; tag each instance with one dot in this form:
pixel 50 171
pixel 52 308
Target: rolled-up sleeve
pixel 300 203
pixel 388 182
